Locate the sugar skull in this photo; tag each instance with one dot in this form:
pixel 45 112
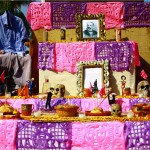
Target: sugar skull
pixel 116 110
pixel 143 88
pixel 59 90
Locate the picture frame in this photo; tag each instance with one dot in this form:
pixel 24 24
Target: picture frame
pixel 89 71
pixel 90 27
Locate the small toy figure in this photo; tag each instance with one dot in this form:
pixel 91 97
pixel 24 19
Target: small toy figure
pixel 123 83
pixel 48 101
pixel 31 85
pixel 111 96
pixel 94 88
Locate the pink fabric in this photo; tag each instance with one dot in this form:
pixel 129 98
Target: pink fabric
pixel 8 130
pixel 91 103
pixel 98 136
pixel 39 15
pixel 136 55
pixel 113 12
pixel 68 54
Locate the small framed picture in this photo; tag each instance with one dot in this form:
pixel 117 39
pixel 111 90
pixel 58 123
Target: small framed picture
pixel 90 27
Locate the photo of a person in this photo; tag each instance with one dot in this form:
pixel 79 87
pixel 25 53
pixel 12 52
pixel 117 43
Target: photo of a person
pixel 90 29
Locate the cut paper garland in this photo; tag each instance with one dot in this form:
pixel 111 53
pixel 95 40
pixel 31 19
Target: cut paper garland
pixel 137 135
pixel 95 136
pixel 66 55
pixel 112 11
pixel 118 53
pixel 117 14
pixel 64 13
pixel 8 134
pixel 45 54
pixel 136 14
pixel 39 15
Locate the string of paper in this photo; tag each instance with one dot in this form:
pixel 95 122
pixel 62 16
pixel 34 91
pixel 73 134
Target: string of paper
pixel 63 13
pixel 39 15
pixel 67 55
pixel 119 54
pixel 8 134
pixel 45 54
pixel 43 135
pixel 136 14
pixel 112 10
pixel 95 136
pixel 137 135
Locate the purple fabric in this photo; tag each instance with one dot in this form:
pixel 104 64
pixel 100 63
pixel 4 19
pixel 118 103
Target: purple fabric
pixel 136 14
pixel 118 53
pixel 137 135
pixel 64 13
pixel 44 135
pixel 135 101
pixel 45 53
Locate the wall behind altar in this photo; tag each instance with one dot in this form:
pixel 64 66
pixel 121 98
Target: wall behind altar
pixel 139 35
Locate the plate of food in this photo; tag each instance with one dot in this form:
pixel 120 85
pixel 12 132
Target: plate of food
pixel 98 112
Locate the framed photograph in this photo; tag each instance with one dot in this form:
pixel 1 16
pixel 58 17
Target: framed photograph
pixel 90 27
pixel 89 72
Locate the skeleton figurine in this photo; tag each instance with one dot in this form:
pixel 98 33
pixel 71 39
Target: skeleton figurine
pixel 116 110
pixel 143 88
pixel 48 100
pixel 59 90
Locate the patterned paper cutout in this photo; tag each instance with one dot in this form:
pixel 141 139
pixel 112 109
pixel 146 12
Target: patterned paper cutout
pixel 113 12
pixel 45 54
pixel 43 135
pixel 64 13
pixel 8 134
pixel 98 136
pixel 136 14
pixel 137 135
pixel 66 55
pixel 118 53
pixel 39 15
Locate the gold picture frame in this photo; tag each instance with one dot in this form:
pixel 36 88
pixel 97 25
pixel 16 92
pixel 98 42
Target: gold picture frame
pixel 89 71
pixel 90 27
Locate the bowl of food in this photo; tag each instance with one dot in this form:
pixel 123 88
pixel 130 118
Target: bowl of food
pixel 98 112
pixel 66 110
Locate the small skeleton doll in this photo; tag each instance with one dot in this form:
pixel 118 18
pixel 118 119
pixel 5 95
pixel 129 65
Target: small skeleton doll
pixel 95 88
pixel 48 100
pixel 111 96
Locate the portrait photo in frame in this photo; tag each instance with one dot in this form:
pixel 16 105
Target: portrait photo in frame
pixel 90 27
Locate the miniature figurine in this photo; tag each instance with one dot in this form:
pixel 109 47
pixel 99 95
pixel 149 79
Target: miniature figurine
pixel 49 96
pixel 94 88
pixel 123 83
pixel 31 85
pixel 111 96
